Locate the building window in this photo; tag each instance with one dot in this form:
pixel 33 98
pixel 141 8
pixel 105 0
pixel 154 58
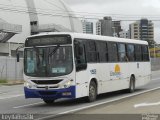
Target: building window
pixel 34 23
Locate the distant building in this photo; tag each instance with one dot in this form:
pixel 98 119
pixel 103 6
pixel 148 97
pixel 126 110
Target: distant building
pixel 124 34
pixel 142 30
pixel 116 26
pixel 104 27
pixel 98 28
pixel 87 27
pixel 107 27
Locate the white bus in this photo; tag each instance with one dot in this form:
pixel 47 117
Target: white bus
pixel 74 65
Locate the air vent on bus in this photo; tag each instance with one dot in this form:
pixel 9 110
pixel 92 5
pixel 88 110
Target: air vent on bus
pixel 46 82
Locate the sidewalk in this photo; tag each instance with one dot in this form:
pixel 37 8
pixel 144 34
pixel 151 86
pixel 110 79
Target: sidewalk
pixel 12 82
pixel 156 74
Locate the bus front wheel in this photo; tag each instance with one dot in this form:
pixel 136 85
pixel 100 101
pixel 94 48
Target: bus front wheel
pixel 92 92
pixel 48 101
pixel 132 85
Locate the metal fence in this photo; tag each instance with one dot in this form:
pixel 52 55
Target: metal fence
pixel 155 64
pixel 10 69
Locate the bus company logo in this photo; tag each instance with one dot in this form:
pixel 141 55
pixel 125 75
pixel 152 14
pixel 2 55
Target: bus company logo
pixel 117 71
pixel 94 71
pixel 46 87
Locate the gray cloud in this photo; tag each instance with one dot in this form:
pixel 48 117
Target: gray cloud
pixel 75 2
pixel 142 7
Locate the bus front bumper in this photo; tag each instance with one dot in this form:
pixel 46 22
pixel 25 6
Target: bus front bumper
pixel 50 94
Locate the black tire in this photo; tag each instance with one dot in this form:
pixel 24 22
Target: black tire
pixel 132 85
pixel 48 101
pixel 92 92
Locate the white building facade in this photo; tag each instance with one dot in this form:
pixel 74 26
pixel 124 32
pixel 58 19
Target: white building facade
pixel 98 28
pixel 124 34
pixel 87 27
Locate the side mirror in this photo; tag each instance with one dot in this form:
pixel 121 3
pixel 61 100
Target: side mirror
pixel 17 57
pixel 17 54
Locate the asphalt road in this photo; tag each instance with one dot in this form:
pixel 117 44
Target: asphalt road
pixel 12 100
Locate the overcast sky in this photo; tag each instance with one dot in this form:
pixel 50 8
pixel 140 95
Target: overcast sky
pixel 121 9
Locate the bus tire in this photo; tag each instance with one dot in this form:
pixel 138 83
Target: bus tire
pixel 92 92
pixel 48 101
pixel 132 85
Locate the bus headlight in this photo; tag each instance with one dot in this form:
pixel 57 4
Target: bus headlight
pixel 67 84
pixel 28 85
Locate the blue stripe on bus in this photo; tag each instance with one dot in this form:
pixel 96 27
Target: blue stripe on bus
pixel 50 94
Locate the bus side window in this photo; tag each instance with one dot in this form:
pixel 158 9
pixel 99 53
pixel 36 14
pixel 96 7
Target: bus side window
pixel 131 52
pixel 138 53
pixel 113 52
pixel 102 51
pixel 92 54
pixel 122 52
pixel 80 56
pixel 145 52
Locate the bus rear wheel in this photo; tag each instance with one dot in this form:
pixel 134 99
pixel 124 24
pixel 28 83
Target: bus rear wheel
pixel 132 85
pixel 92 92
pixel 48 101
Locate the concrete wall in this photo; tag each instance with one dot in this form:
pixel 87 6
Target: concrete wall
pixel 155 64
pixel 10 69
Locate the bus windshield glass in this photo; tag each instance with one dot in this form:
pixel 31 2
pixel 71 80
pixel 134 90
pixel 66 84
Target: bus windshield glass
pixel 48 61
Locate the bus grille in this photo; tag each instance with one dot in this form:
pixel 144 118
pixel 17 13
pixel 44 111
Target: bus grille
pixel 46 82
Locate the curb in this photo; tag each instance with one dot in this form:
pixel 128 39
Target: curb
pixel 11 83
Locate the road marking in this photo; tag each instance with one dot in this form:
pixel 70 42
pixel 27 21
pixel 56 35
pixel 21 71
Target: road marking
pixel 101 103
pixel 3 93
pixel 155 79
pixel 11 97
pixel 28 105
pixel 146 104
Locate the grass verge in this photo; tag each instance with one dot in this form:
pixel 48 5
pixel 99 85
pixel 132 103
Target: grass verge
pixel 3 81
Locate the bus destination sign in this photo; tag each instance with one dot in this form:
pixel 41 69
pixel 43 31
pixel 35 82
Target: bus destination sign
pixel 48 40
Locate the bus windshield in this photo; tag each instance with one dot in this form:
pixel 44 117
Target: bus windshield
pixel 48 61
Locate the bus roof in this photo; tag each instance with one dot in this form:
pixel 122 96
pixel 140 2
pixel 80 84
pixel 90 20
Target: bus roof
pixel 90 36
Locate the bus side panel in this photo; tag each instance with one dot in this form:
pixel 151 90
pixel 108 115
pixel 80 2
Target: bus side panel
pixel 112 76
pixel 116 77
pixel 143 76
pixel 83 79
pixel 82 83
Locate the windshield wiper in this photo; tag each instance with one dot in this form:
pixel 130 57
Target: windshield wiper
pixel 54 51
